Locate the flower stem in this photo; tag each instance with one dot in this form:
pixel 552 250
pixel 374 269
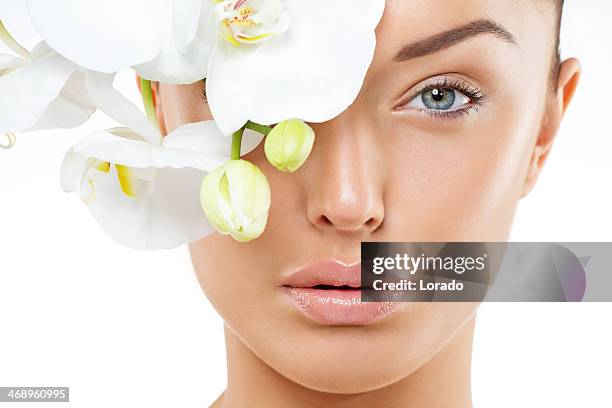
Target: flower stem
pixel 236 144
pixel 8 39
pixel 147 99
pixel 263 129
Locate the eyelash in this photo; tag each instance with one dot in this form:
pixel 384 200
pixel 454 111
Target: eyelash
pixel 475 95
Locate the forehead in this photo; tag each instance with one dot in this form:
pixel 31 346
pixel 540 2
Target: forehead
pixel 406 21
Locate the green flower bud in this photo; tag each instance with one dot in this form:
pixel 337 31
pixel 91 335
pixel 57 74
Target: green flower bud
pixel 289 144
pixel 236 198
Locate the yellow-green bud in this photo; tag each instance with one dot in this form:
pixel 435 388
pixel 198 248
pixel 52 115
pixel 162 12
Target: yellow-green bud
pixel 236 199
pixel 289 144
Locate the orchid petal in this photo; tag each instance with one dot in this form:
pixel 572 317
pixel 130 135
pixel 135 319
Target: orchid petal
pixel 166 214
pixel 74 166
pixel 41 94
pixel 9 63
pixel 185 20
pixel 98 35
pixel 112 103
pixel 186 45
pixel 71 108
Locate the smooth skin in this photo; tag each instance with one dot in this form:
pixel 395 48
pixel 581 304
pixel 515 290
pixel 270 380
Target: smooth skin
pixel 386 171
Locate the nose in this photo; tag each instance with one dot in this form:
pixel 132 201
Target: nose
pixel 346 181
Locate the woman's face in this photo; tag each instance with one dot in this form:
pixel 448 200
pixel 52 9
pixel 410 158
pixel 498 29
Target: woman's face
pixel 437 147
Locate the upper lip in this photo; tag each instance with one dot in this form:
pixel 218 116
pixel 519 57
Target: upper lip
pixel 330 272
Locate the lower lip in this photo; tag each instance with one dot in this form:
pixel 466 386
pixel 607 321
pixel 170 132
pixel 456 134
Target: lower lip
pixel 338 307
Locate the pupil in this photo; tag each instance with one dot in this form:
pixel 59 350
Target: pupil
pixel 438 94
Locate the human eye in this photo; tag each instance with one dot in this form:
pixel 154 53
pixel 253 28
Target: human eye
pixel 443 98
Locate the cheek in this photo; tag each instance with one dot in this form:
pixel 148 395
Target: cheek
pixel 237 278
pixel 462 183
pixel 461 179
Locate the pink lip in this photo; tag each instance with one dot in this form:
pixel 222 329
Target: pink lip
pixel 332 306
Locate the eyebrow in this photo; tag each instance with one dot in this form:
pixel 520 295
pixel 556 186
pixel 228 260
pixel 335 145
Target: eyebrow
pixel 452 37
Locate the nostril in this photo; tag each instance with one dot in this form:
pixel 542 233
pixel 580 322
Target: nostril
pixel 370 223
pixel 325 221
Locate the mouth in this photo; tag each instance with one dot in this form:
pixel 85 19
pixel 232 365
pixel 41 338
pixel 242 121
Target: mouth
pixel 333 287
pixel 328 292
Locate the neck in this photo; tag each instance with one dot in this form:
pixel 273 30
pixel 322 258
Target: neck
pixel 442 382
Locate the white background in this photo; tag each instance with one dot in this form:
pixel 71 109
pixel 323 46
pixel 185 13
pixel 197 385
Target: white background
pixel 127 328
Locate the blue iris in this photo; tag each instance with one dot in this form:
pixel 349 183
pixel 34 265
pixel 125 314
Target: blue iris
pixel 439 98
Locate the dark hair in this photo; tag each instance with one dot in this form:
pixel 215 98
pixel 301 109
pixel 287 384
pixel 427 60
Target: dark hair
pixel 556 65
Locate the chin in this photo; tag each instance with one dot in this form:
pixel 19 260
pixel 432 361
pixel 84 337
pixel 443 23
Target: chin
pixel 355 359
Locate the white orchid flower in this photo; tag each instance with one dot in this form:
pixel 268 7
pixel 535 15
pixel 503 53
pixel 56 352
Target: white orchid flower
pixel 41 90
pixel 283 59
pixel 147 195
pixel 264 60
pixel 163 40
